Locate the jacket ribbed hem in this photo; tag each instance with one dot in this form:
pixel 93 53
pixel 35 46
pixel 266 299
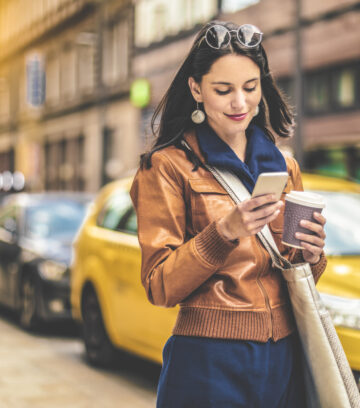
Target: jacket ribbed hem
pixel 237 325
pixel 212 246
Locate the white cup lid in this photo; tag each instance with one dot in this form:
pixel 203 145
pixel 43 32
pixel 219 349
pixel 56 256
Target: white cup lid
pixel 306 198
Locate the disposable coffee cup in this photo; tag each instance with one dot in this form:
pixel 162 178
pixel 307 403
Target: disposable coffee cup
pixel 300 205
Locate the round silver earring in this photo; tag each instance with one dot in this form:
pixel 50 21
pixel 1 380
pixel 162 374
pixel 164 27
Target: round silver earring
pixel 256 110
pixel 198 116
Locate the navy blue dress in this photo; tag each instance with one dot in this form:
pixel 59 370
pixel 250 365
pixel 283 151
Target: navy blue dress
pixel 202 372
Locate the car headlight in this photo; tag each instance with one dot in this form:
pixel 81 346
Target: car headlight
pixel 52 270
pixel 345 312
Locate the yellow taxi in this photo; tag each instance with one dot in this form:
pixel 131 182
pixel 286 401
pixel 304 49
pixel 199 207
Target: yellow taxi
pixel 109 300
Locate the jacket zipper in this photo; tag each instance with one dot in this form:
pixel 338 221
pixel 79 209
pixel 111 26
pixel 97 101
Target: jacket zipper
pixel 266 297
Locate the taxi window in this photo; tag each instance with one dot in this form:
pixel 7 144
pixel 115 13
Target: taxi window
pixel 130 222
pixel 342 228
pixel 114 210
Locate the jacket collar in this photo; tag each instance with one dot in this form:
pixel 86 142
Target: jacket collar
pixel 261 154
pixel 191 138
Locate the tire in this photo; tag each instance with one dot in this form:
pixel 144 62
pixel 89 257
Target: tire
pixel 99 350
pixel 29 319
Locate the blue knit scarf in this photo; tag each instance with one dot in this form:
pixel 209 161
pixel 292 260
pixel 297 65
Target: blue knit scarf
pixel 261 154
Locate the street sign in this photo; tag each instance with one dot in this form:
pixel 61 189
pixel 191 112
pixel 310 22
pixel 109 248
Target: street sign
pixel 140 93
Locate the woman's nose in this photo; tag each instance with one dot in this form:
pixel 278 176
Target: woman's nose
pixel 239 100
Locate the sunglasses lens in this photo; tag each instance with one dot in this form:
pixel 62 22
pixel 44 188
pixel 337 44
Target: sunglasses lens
pixel 217 36
pixel 249 35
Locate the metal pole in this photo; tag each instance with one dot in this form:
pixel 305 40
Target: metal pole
pixel 100 90
pixel 299 83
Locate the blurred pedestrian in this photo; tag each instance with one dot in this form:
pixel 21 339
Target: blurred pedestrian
pixel 234 343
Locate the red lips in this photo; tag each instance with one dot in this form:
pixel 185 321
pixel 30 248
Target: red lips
pixel 237 118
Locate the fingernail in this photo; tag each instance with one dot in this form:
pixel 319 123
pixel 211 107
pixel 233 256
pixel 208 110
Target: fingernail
pixel 297 234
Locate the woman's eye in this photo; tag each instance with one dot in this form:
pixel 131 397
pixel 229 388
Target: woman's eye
pixel 250 89
pixel 222 92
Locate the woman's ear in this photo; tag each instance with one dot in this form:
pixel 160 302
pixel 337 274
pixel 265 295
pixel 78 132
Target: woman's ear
pixel 195 89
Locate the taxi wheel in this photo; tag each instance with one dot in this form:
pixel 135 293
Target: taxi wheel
pixel 99 350
pixel 28 315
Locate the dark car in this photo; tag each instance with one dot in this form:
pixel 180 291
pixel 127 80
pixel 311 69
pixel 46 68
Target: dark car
pixel 36 233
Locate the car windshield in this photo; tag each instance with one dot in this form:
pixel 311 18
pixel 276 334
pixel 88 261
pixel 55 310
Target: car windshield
pixel 58 220
pixel 342 226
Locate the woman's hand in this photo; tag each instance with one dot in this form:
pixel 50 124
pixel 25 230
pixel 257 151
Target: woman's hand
pixel 313 244
pixel 249 217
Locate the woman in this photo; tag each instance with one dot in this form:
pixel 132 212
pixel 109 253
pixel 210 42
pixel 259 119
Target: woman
pixel 234 343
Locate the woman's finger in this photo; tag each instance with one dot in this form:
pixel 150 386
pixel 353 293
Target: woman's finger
pixel 260 223
pixel 313 226
pixel 313 249
pixel 253 203
pixel 320 218
pixel 267 211
pixel 312 239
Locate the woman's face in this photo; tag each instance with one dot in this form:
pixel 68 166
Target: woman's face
pixel 230 92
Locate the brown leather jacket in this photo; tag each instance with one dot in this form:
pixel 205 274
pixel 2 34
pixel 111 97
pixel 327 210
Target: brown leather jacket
pixel 225 290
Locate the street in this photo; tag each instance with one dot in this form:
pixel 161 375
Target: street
pixel 48 370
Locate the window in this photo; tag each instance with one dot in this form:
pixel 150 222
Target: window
pixel 117 207
pixel 156 20
pixel 343 226
pixel 288 88
pixel 64 164
pixel 145 131
pixel 22 91
pixel 318 93
pixel 7 160
pixel 58 220
pixel 85 66
pixel 68 73
pixel 52 80
pixel 329 90
pixel 231 6
pixel 4 100
pixel 116 53
pixel 345 88
pixel 130 224
pixel 54 165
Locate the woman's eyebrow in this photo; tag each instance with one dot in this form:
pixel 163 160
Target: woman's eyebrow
pixel 252 79
pixel 221 83
pixel 229 83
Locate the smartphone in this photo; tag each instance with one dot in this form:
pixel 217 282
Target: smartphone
pixel 270 183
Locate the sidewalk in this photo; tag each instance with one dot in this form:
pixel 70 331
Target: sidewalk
pixel 40 372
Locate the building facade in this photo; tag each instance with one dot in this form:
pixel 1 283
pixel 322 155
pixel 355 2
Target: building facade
pixel 67 118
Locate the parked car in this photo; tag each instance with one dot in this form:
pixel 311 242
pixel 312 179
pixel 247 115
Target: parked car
pixel 36 232
pixel 107 295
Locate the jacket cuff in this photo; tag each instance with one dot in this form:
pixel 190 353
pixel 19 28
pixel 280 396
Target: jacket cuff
pixel 317 269
pixel 212 246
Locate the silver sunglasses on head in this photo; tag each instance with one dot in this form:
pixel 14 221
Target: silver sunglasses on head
pixel 218 36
